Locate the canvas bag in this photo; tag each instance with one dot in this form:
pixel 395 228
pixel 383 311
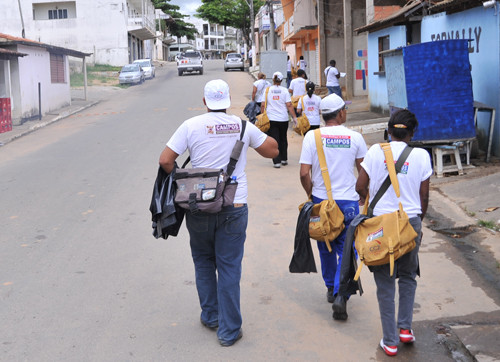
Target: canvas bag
pixel 303 124
pixel 327 220
pixel 208 189
pixel 385 238
pixel 262 122
pixel 296 99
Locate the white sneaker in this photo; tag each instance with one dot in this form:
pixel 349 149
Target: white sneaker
pixel 277 165
pixel 284 163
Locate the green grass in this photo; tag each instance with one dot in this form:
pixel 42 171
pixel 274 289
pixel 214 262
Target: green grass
pixel 93 76
pixel 489 224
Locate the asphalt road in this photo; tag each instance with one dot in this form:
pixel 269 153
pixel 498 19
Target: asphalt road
pixel 83 279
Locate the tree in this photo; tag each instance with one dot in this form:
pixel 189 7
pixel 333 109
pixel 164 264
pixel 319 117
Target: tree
pixel 234 13
pixel 178 27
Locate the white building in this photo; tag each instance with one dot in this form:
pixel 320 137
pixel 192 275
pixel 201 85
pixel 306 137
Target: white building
pixel 115 32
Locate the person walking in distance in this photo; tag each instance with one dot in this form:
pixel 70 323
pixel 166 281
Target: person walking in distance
pixel 311 104
pixel 332 79
pixel 217 240
pixel 414 187
pixel 259 87
pixel 302 64
pixel 278 107
pixel 344 150
pixel 288 71
pixel 297 86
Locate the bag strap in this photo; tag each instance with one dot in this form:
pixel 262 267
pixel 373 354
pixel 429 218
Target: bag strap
pixel 265 98
pixel 302 100
pixel 235 153
pixel 322 163
pixel 391 178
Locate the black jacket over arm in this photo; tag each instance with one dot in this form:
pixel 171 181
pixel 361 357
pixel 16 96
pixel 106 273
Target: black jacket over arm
pixel 166 215
pixel 303 257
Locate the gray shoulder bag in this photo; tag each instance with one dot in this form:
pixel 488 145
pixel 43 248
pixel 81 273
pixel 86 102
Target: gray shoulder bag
pixel 208 189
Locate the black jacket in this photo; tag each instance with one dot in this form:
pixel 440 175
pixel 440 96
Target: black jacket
pixel 303 257
pixel 252 109
pixel 166 215
pixel 347 285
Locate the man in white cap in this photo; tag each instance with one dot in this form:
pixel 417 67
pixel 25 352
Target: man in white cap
pixel 217 239
pixel 344 149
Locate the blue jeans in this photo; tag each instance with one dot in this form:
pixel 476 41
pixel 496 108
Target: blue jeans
pixel 330 261
pixel 288 79
pixel 336 89
pixel 217 244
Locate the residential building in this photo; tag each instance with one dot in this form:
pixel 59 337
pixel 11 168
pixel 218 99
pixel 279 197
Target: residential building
pixel 34 76
pixel 116 32
pixel 421 22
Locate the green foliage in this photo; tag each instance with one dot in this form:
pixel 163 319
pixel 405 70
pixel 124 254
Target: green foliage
pixel 234 13
pixel 178 27
pixel 489 224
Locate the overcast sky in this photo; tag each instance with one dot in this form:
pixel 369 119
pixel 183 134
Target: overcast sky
pixel 188 7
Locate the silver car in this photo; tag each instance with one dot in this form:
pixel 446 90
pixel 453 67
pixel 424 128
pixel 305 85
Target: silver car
pixel 190 61
pixel 234 61
pixel 147 66
pixel 131 74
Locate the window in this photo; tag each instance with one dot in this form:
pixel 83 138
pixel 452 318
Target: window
pixel 383 44
pixel 58 14
pixel 56 68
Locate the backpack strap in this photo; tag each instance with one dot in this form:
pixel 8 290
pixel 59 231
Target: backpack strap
pixel 391 178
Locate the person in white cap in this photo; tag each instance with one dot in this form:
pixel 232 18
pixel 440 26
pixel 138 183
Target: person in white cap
pixel 217 239
pixel 344 150
pixel 278 105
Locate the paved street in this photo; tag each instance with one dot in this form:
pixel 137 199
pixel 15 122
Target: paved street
pixel 83 279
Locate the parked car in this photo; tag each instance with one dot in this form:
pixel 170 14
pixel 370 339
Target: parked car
pixel 131 74
pixel 234 61
pixel 190 61
pixel 147 66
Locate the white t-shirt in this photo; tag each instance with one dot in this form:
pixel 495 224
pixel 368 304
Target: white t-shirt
pixel 210 138
pixel 311 105
pixel 417 168
pixel 331 76
pixel 276 103
pixel 302 64
pixel 298 86
pixel 342 147
pixel 288 66
pixel 261 86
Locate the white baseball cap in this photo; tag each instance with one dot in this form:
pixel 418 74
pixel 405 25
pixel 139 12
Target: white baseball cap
pixel 331 103
pixel 217 95
pixel 278 75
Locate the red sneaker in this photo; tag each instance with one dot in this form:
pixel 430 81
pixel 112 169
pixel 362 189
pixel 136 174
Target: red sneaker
pixel 389 350
pixel 406 336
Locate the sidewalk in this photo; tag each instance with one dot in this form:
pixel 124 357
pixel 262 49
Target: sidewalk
pixel 78 103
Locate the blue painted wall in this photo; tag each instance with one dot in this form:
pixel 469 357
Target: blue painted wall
pixel 378 83
pixel 482 27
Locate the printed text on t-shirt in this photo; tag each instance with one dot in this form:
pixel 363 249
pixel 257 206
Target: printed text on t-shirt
pixel 337 141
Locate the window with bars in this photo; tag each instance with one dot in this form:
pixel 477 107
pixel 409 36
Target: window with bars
pixel 58 14
pixel 56 68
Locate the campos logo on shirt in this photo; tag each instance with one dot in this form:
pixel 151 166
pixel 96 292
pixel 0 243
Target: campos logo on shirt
pixel 337 141
pixel 404 168
pixel 223 129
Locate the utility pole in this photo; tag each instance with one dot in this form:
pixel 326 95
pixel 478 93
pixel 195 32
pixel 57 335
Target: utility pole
pixel 271 24
pixel 252 31
pixel 22 20
pixel 348 48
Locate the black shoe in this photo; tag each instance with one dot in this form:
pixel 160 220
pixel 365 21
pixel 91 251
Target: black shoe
pixel 329 295
pixel 209 326
pixel 340 308
pixel 230 343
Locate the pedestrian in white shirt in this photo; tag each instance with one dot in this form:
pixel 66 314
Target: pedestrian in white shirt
pixel 278 106
pixel 414 186
pixel 332 79
pixel 297 86
pixel 302 64
pixel 288 71
pixel 311 104
pixel 259 88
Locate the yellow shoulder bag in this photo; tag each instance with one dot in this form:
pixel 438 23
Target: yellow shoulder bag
pixel 262 122
pixel 385 238
pixel 302 122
